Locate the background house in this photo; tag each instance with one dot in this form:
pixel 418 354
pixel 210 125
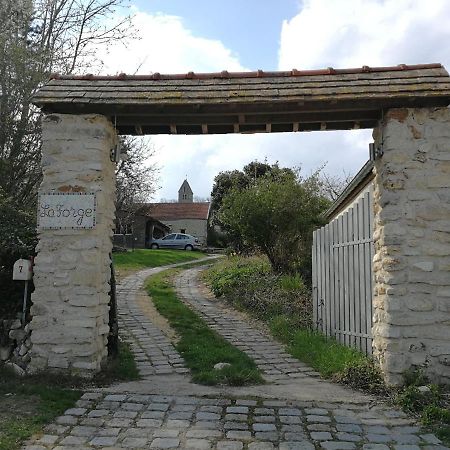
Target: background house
pixel 184 216
pixel 155 220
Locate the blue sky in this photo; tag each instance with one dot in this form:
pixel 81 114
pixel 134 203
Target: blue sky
pixel 250 28
pixel 177 36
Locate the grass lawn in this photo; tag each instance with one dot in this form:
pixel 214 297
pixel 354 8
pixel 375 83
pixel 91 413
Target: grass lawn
pixel 138 259
pixel 200 346
pixel 26 405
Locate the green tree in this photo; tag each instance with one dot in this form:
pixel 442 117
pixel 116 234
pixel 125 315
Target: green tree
pixel 278 216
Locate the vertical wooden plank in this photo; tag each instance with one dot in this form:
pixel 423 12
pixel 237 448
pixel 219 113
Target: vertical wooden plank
pixel 341 280
pixel 326 250
pixel 363 285
pixel 371 253
pixel 314 277
pixel 358 238
pixel 324 280
pixel 332 277
pixel 346 271
pixel 351 279
pixel 319 282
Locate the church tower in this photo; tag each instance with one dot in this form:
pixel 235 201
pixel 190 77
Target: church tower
pixel 185 194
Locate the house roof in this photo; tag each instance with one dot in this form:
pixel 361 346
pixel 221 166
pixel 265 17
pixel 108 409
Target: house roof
pixel 178 211
pixel 227 102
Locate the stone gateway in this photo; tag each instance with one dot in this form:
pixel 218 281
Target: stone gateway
pixel 406 105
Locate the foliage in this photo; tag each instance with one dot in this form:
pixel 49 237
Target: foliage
pixel 363 374
pixel 239 180
pixel 200 346
pixel 429 401
pixel 278 216
pixel 17 240
pixel 249 284
pixel 325 355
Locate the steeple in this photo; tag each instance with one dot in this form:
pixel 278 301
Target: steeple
pixel 185 194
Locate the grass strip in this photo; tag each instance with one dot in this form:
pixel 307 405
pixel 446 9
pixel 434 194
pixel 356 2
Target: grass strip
pixel 200 346
pixel 325 355
pixel 143 258
pixel 27 405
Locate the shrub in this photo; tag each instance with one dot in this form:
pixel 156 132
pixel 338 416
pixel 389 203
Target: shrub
pixel 278 217
pixel 363 374
pixel 17 240
pixel 250 284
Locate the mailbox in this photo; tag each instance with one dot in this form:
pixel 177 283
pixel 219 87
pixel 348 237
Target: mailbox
pixel 23 270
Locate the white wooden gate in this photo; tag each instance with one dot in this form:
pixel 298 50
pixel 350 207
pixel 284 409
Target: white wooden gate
pixel 343 276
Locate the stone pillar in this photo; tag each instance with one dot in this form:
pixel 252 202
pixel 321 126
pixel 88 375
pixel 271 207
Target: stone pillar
pixel 412 243
pixel 72 272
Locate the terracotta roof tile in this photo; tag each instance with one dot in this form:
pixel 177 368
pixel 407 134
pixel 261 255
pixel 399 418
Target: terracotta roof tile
pixel 256 74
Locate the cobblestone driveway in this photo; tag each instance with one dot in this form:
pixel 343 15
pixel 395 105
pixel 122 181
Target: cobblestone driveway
pixel 147 415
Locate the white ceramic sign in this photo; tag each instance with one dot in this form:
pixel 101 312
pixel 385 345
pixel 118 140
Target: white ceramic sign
pixel 66 210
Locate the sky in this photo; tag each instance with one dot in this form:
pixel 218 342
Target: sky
pixel 178 36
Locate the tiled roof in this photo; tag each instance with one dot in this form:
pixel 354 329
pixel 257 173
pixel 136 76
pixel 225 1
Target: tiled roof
pixel 256 74
pixel 177 211
pixel 227 102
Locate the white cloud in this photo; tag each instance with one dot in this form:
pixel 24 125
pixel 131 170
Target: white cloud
pixel 165 45
pixel 353 33
pixel 338 33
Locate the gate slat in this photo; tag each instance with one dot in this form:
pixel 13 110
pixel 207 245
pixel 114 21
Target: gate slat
pixel 351 272
pixel 314 277
pixel 369 272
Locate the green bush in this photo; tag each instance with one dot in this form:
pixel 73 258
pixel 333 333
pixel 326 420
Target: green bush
pixel 363 374
pixel 17 240
pixel 277 216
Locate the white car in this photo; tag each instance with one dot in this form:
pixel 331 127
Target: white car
pixel 176 240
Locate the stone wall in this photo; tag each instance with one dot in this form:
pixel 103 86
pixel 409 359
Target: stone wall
pixel 72 273
pixel 412 243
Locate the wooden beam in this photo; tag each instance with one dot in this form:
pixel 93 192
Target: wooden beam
pixel 138 129
pixel 250 119
pixel 204 128
pixel 173 129
pixel 323 126
pixel 295 126
pixel 268 128
pixel 236 128
pixel 241 118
